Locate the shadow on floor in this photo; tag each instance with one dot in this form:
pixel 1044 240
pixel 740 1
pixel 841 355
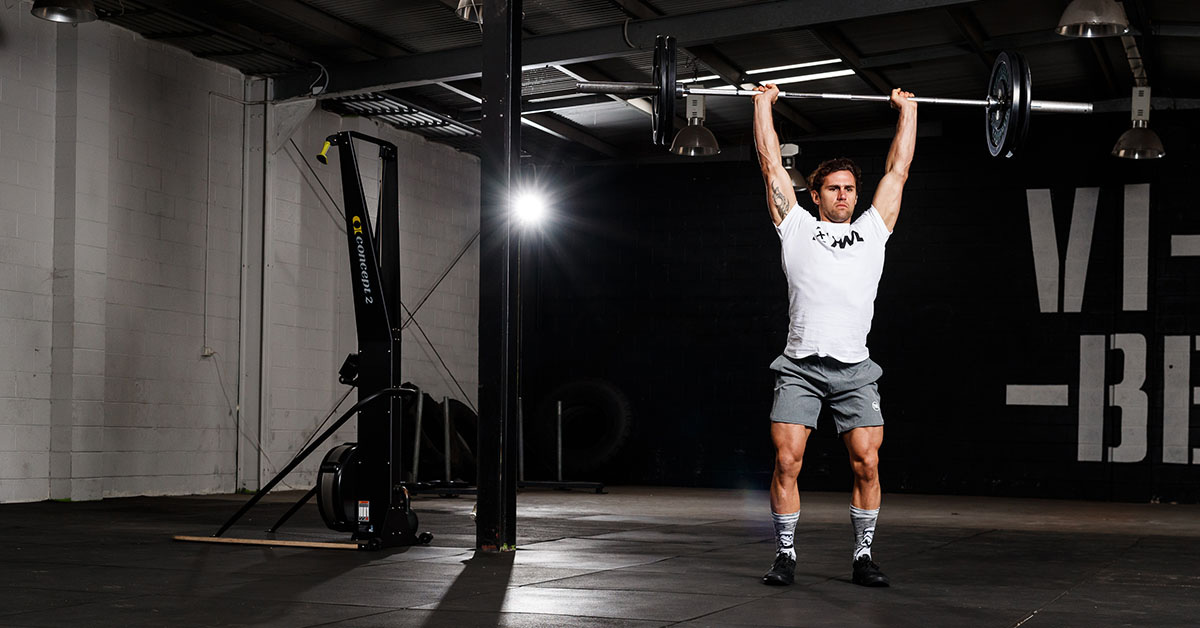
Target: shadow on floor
pixel 484 572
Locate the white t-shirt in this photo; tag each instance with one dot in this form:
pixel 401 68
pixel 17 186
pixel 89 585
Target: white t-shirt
pixel 833 272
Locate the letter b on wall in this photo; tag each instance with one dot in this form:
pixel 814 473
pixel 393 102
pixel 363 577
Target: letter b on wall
pixel 1126 395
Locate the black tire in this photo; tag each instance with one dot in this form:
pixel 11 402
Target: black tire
pixel 597 422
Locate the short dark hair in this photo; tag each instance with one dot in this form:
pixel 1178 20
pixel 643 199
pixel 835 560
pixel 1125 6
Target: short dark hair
pixel 825 168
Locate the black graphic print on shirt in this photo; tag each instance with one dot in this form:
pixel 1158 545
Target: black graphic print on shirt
pixel 848 240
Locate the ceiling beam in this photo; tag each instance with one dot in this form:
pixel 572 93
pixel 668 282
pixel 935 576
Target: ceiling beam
pixel 1015 41
pixel 914 55
pixel 1175 30
pixel 637 8
pixel 835 41
pixel 1019 41
pixel 169 35
pixel 551 123
pixel 598 43
pixel 974 33
pixel 528 107
pixel 945 51
pixel 544 122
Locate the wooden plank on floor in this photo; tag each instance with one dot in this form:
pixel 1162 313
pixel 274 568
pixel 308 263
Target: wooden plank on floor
pixel 274 542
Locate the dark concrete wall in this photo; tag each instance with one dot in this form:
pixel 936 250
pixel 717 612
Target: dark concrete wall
pixel 665 279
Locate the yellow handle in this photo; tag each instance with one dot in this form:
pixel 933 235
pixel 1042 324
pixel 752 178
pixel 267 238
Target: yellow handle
pixel 321 156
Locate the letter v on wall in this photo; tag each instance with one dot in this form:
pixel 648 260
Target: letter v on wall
pixel 1045 248
pixel 1079 248
pixel 1047 268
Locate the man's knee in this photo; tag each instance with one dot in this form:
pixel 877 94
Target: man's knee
pixel 788 463
pixel 865 466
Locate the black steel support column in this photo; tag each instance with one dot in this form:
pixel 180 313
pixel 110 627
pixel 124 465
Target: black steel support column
pixel 496 518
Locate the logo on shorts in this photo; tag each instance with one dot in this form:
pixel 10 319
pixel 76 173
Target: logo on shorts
pixel 875 405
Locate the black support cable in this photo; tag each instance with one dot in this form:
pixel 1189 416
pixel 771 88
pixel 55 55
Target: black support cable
pixel 332 411
pixel 428 293
pixel 386 392
pixel 317 177
pixel 444 366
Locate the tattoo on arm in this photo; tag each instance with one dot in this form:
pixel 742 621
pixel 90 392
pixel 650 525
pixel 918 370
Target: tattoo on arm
pixel 781 204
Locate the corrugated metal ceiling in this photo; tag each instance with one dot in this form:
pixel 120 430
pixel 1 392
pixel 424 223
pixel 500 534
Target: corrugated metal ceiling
pixel 559 16
pixel 420 26
pixel 931 51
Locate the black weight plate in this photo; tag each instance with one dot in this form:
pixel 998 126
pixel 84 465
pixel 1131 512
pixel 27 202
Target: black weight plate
pixel 1022 103
pixel 656 101
pixel 666 93
pixel 999 117
pixel 663 100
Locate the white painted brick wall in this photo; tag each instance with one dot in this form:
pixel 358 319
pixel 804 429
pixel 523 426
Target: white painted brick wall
pixel 80 264
pixel 172 254
pixel 27 111
pixel 153 246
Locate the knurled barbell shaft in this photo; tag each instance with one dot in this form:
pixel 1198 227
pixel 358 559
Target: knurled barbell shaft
pixel 705 91
pixel 647 89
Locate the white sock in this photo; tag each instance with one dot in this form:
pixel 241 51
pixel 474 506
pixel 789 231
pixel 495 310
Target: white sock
pixel 785 532
pixel 864 530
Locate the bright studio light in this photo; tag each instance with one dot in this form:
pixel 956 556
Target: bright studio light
pixel 529 208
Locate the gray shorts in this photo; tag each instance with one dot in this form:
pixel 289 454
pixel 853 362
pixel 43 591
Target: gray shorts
pixel 802 386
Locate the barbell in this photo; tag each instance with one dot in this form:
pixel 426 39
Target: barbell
pixel 1007 104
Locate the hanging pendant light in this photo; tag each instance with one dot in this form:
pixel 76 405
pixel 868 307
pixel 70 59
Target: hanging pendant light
pixel 470 10
pixel 1139 142
pixel 65 11
pixel 1093 18
pixel 789 152
pixel 694 140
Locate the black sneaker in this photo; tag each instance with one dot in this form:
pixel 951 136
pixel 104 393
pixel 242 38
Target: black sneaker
pixel 867 573
pixel 783 571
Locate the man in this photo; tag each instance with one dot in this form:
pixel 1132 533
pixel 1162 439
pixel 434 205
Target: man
pixel 832 267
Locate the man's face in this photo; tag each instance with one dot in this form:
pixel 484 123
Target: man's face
pixel 836 199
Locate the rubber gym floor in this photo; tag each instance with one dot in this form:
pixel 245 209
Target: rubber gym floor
pixel 637 556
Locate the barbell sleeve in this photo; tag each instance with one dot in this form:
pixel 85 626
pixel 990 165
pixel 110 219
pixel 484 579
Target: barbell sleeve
pixel 1059 106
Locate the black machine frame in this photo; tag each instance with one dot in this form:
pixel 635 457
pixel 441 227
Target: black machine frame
pixel 359 487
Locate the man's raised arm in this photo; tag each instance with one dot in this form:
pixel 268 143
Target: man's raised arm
pixel 900 156
pixel 780 195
